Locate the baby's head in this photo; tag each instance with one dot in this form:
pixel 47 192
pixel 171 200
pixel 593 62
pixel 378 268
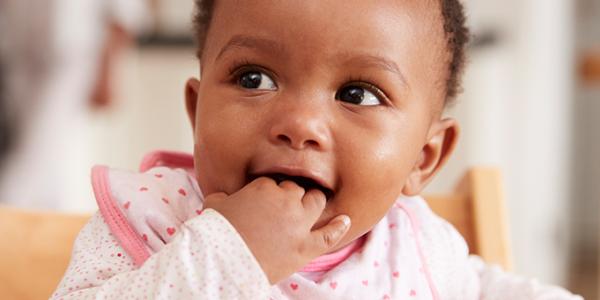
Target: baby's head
pixel 345 96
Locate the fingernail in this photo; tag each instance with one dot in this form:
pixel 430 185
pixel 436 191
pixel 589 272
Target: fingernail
pixel 345 220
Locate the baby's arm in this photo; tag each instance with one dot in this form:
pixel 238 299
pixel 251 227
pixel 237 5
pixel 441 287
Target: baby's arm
pixel 206 260
pixel 497 284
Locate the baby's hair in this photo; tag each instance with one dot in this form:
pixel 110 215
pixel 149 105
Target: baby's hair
pixel 455 28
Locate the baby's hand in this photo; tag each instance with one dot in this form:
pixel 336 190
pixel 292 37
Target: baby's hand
pixel 275 221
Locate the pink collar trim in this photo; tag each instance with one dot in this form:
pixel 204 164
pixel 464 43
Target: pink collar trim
pixel 329 261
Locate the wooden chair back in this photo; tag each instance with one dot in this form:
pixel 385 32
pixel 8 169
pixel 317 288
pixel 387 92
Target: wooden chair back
pixel 477 209
pixel 35 251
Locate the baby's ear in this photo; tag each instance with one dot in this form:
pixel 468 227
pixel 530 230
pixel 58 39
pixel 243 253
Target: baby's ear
pixel 442 138
pixel 191 99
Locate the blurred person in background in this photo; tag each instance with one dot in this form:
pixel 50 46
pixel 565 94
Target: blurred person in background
pixel 4 126
pixel 56 58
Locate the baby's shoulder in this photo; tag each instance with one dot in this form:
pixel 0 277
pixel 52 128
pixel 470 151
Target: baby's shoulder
pixel 159 190
pixel 445 251
pixel 163 185
pixel 434 231
pixel 145 208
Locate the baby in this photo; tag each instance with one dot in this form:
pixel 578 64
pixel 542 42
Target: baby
pixel 316 126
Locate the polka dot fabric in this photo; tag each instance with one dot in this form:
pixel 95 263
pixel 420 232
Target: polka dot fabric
pixel 205 260
pixel 152 240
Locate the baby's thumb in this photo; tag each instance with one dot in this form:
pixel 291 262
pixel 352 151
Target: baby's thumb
pixel 329 235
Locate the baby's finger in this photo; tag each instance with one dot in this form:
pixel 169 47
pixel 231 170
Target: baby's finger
pixel 314 202
pixel 290 186
pixel 329 235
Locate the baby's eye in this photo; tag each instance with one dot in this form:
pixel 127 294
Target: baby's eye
pixel 256 80
pixel 357 95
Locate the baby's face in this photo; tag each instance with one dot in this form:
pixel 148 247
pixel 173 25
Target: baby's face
pixel 339 95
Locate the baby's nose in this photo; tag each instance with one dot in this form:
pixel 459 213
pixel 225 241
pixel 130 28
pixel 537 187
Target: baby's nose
pixel 301 126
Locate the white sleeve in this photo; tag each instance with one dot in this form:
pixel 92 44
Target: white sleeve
pixel 206 260
pixel 497 284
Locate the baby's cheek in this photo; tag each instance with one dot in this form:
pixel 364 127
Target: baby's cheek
pixel 364 212
pixel 216 169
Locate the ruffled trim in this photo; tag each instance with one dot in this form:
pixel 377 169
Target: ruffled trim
pixel 128 238
pixel 171 159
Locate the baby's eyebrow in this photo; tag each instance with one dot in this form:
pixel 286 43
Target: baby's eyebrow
pixel 374 61
pixel 252 42
pixel 267 45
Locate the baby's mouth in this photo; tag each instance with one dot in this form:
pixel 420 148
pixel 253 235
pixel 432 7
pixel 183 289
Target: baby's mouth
pixel 304 182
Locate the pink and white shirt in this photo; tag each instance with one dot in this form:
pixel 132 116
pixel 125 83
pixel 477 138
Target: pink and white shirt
pixel 153 240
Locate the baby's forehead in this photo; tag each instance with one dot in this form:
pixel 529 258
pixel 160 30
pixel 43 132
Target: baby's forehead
pixel 330 26
pixel 403 38
pixel 422 16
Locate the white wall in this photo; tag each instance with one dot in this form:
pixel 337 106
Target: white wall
pixel 149 114
pixel 173 16
pixel 516 113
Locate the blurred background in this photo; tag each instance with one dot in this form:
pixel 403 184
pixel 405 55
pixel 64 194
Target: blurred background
pixel 86 82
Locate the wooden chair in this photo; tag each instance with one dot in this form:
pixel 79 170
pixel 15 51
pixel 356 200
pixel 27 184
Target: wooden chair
pixel 477 210
pixel 35 251
pixel 36 246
